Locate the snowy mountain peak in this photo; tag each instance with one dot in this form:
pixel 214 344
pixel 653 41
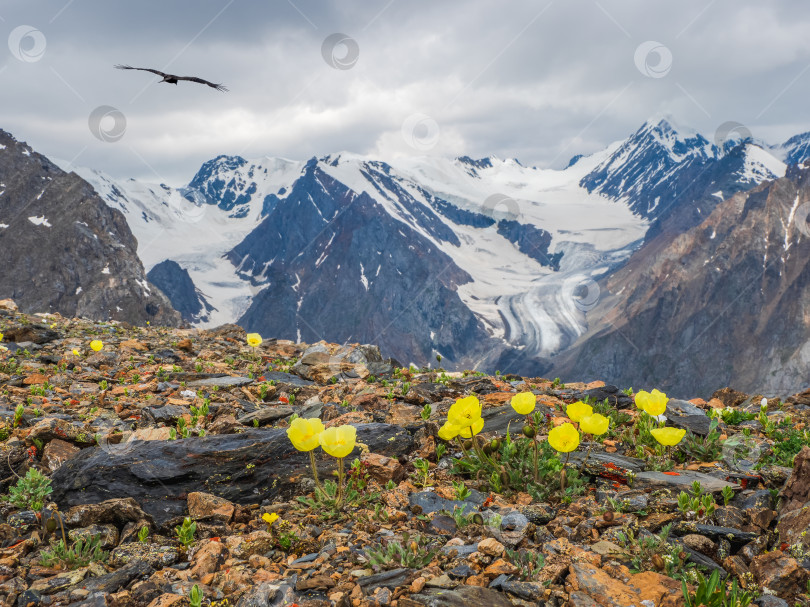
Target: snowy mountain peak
pixel 796 149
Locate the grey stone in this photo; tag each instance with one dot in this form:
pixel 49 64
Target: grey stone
pixel 462 596
pixel 388 579
pixel 429 502
pixel 682 480
pixel 266 415
pixel 513 528
pixel 222 382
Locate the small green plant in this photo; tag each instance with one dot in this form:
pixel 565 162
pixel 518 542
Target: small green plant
pixel 528 562
pixel 185 532
pixel 103 385
pixel 30 491
pixel 390 485
pixel 412 552
pixel 714 593
pixel 423 467
pixel 699 505
pixel 427 411
pixel 461 490
pixel 143 534
pixel 440 450
pixel 327 505
pixel 728 493
pixel 79 554
pixel 703 448
pixel 195 597
pixel 462 519
pixel 406 387
pixel 18 414
pixel 557 384
pixel 654 553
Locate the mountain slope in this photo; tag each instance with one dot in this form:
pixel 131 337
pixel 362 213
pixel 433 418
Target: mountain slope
pixel 64 249
pixel 726 303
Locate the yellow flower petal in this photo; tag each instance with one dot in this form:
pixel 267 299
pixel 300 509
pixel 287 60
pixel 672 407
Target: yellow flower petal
pixel 270 518
pixel 576 411
pixel 595 424
pixel 474 428
pixel 254 340
pixel 96 345
pixel 339 441
pixel 75 352
pixel 524 402
pixel 303 433
pixel 564 438
pixel 448 431
pixel 668 437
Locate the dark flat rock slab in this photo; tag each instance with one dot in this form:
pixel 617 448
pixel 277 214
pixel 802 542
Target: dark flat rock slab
pixel 162 473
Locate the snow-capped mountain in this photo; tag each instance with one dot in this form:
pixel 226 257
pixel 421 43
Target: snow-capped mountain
pixel 477 260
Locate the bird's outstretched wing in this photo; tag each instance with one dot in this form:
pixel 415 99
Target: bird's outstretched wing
pixel 219 87
pixel 143 69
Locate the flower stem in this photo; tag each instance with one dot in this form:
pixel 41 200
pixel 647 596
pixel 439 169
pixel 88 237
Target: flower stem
pixel 562 474
pixel 339 502
pixel 314 468
pixel 585 461
pixel 536 457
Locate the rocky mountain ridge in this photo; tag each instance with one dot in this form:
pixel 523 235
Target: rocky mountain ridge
pixel 64 249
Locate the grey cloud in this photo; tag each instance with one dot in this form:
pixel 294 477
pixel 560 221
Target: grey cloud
pixel 540 81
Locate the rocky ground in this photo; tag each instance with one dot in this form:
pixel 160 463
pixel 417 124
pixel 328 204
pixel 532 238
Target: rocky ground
pixel 167 450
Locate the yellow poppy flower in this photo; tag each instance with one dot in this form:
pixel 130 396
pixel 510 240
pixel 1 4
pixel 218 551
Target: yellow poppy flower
pixel 96 345
pixel 524 402
pixel 576 411
pixel 448 431
pixel 338 442
pixel 668 436
pixel 595 424
pixel 1 337
pixel 254 340
pixel 270 518
pixel 75 352
pixel 464 412
pixel 564 438
pixel 303 433
pixel 654 403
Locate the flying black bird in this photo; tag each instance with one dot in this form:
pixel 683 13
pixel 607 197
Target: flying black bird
pixel 171 78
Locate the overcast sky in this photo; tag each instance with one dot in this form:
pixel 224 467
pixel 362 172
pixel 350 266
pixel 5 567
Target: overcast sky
pixel 540 81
